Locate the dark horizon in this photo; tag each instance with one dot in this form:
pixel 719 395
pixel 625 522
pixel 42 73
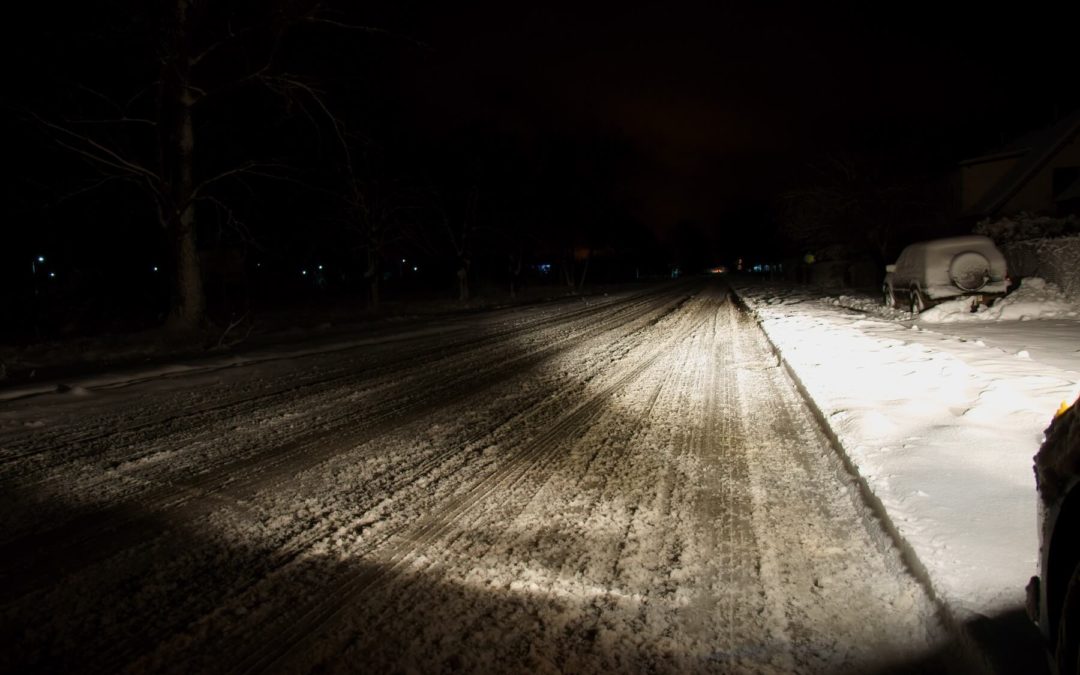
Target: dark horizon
pixel 730 104
pixel 661 135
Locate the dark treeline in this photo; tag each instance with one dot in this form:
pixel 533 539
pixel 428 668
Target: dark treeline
pixel 185 163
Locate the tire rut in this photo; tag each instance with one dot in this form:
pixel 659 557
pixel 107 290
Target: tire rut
pixel 369 367
pixel 96 536
pixel 397 548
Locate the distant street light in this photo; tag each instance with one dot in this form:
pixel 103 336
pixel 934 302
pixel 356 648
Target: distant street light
pixel 33 271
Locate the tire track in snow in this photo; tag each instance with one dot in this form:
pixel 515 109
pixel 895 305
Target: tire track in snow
pixel 662 589
pixel 508 510
pixel 353 373
pixel 527 468
pixel 611 573
pixel 752 573
pixel 108 428
pixel 742 579
pixel 614 574
pixel 96 536
pixel 599 332
pixel 510 501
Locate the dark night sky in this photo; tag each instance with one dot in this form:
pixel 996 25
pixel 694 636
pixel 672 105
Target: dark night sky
pixel 720 105
pixel 661 133
pixel 724 103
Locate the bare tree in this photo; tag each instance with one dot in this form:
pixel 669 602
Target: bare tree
pixel 462 236
pixel 377 210
pixel 176 189
pixel 856 202
pixel 206 52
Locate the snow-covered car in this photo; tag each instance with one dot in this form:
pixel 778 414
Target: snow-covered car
pixel 1053 597
pixel 929 272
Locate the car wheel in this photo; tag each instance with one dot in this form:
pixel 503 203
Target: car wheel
pixel 919 303
pixel 888 297
pixel 1067 653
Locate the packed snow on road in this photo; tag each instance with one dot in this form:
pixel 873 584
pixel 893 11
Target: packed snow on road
pixel 618 483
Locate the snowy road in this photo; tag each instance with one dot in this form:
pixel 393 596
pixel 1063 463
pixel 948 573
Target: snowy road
pixel 624 484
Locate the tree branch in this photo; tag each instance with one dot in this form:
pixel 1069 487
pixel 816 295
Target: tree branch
pixel 120 120
pixel 97 94
pixel 289 81
pixel 243 168
pixel 101 154
pixel 90 188
pixel 233 35
pixel 237 225
pixel 365 29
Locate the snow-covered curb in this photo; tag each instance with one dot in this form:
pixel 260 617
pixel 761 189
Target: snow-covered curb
pixel 941 430
pixel 878 510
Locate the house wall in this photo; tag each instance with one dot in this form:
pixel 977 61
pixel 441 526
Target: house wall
pixel 1037 195
pixel 977 179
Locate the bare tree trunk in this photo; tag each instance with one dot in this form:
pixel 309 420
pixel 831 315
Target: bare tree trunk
pixel 463 280
pixel 464 243
pixel 372 274
pixel 188 311
pixel 374 299
pixel 568 270
pixel 515 272
pixel 585 271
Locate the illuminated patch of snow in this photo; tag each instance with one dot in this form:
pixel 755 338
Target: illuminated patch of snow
pixel 941 421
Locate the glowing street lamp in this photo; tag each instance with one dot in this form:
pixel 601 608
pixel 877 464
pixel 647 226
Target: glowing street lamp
pixel 33 270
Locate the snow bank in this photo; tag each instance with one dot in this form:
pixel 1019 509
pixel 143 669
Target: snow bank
pixel 942 428
pixel 1034 299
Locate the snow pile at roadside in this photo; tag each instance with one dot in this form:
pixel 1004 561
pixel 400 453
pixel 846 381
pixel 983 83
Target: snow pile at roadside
pixel 943 429
pixel 870 306
pixel 1034 299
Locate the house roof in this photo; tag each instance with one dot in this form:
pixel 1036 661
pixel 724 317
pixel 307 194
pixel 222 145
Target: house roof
pixel 1041 145
pixel 1002 153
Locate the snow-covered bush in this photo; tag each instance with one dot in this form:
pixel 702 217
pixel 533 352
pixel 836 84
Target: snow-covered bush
pixel 1056 260
pixel 1026 226
pixel 1039 246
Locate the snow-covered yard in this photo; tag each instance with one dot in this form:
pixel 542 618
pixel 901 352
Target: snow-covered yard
pixel 941 414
